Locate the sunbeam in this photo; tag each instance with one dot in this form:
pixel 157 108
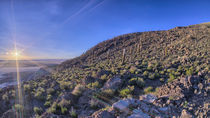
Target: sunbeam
pixel 20 96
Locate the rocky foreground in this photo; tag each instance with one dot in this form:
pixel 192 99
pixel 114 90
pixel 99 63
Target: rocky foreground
pixel 187 97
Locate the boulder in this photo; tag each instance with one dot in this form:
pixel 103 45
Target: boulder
pixel 103 114
pixel 123 105
pixel 186 114
pixel 138 113
pixel 148 98
pixel 113 83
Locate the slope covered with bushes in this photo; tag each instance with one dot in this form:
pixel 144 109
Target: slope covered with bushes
pixel 135 63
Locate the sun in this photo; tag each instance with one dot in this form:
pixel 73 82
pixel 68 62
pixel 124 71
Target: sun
pixel 16 54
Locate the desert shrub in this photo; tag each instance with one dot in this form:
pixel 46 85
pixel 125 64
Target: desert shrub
pixel 5 97
pixel 151 76
pixel 162 72
pixel 73 113
pixel 162 80
pixel 53 108
pixel 171 98
pixel 50 91
pixel 57 109
pixel 149 68
pixel 94 74
pixel 40 94
pixel 49 97
pixel 127 91
pixel 171 77
pixel 27 88
pixel 47 104
pixel 190 71
pixel 65 85
pixel 148 90
pixel 19 108
pixel 78 90
pixel 133 69
pixel 93 104
pixel 65 103
pixel 146 73
pixel 104 77
pixel 94 85
pixel 108 93
pixel 38 110
pixel 64 110
pixel 137 81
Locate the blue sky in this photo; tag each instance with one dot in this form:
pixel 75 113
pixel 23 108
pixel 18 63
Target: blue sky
pixel 67 28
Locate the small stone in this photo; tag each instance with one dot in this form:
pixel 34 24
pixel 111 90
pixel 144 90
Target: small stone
pixel 164 109
pixel 186 114
pixel 195 91
pixel 148 98
pixel 200 86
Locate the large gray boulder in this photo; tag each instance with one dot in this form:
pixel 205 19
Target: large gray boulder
pixel 125 104
pixel 138 113
pixel 113 83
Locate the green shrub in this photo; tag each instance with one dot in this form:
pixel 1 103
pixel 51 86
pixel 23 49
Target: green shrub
pixel 162 80
pixel 27 88
pixel 78 90
pixel 18 107
pixel 104 77
pixel 40 94
pixel 149 68
pixel 5 97
pixel 94 74
pixel 148 90
pixel 137 81
pixel 127 91
pixel 133 69
pixel 65 103
pixel 50 91
pixel 190 71
pixel 93 104
pixel 65 85
pixel 146 73
pixel 151 76
pixel 73 113
pixel 64 110
pixel 47 104
pixel 108 93
pixel 171 77
pixel 53 108
pixel 94 85
pixel 38 110
pixel 57 109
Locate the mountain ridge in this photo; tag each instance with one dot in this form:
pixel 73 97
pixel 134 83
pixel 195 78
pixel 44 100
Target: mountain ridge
pixel 123 70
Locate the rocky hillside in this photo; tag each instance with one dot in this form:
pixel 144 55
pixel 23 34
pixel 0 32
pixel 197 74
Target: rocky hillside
pixel 137 75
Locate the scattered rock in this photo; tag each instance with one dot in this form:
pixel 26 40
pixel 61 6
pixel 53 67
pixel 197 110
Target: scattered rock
pixel 186 114
pixel 123 105
pixel 138 113
pixel 103 114
pixel 113 83
pixel 148 98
